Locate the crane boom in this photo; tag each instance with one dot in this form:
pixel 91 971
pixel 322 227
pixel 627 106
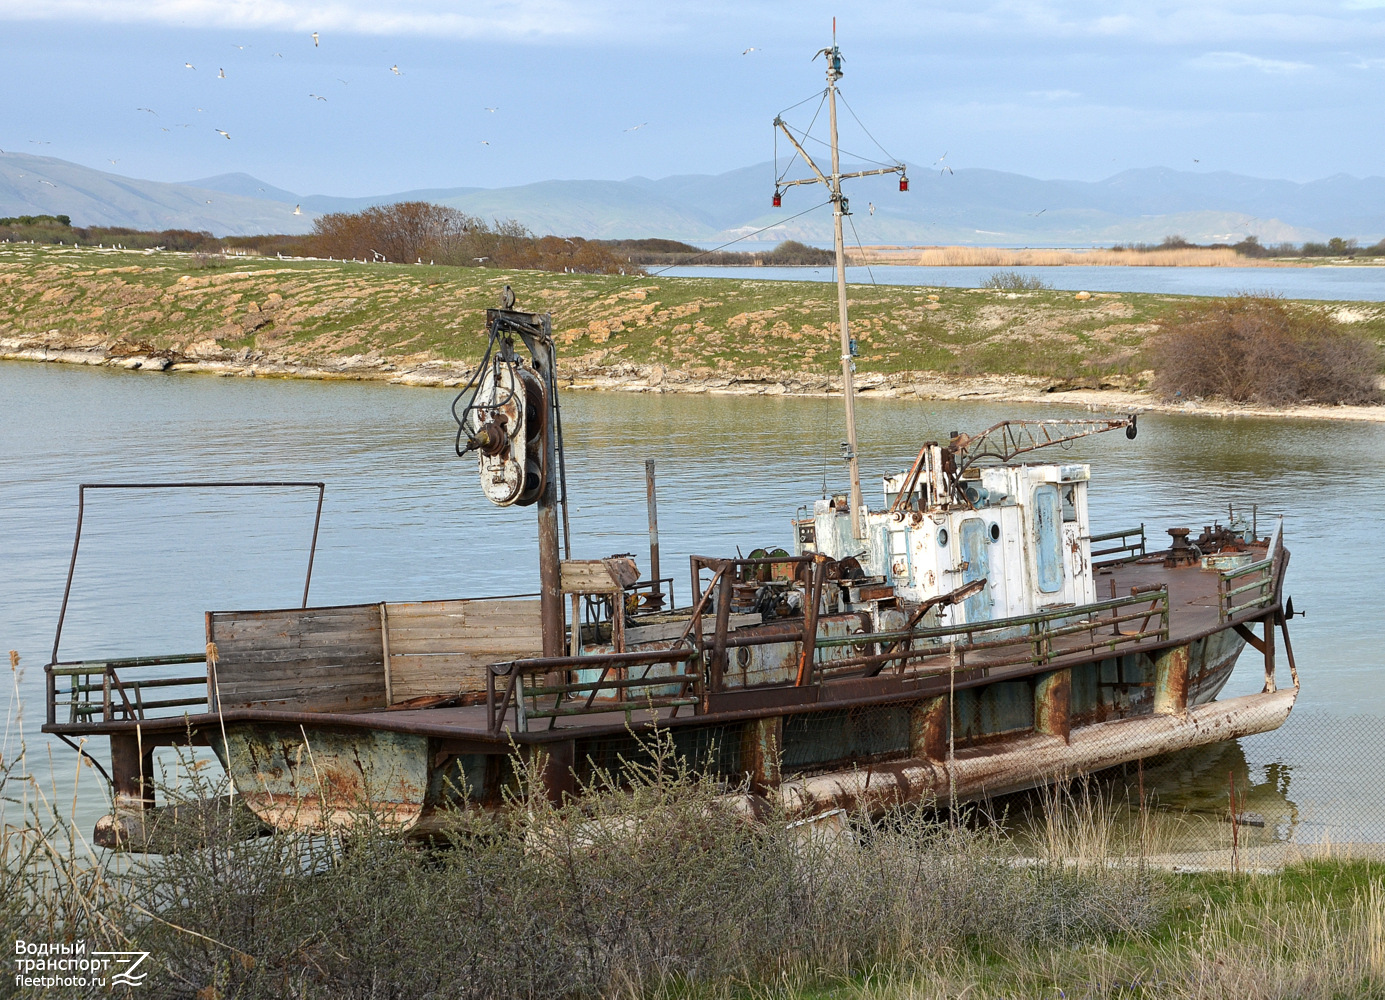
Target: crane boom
pixel 1011 438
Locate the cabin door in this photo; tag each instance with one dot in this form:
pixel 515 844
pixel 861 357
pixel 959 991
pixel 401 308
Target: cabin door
pixel 976 560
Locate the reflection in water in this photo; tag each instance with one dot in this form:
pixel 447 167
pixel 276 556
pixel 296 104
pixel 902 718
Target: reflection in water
pixel 404 519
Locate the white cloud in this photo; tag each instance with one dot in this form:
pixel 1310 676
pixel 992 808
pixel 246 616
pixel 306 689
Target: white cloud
pixel 1054 95
pixel 502 19
pixel 1243 60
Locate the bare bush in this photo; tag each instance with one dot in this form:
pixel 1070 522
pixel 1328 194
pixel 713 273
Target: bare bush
pixel 408 232
pixel 1258 349
pixel 1013 281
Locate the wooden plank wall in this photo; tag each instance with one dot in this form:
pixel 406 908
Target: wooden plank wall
pixel 301 659
pixel 443 647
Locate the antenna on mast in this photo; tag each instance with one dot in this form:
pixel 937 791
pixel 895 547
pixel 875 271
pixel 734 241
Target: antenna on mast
pixel 840 207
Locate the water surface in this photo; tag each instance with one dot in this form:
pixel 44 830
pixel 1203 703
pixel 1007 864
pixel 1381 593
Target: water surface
pixel 1355 283
pixel 404 520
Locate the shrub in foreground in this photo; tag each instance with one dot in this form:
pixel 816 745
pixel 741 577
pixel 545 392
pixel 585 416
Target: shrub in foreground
pixel 1257 349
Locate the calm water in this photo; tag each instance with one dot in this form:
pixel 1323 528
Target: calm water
pixel 1333 283
pixel 404 518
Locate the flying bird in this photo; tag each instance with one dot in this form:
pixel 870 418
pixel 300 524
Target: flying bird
pixel 150 110
pixel 635 128
pixel 278 55
pixel 189 65
pixel 199 109
pixel 871 206
pixel 1197 161
pixel 492 110
pixel 484 142
pixel 52 185
pixel 112 161
pixel 314 39
pixel 507 298
pixel 1040 212
pixel 297 209
pixel 344 83
pixel 318 96
pixel 220 74
pixel 42 142
pixel 395 70
pixel 749 50
pixel 235 46
pixel 224 135
pixel 945 170
pixel 162 129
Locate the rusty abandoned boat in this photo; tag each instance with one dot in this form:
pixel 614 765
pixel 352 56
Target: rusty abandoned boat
pixel 969 637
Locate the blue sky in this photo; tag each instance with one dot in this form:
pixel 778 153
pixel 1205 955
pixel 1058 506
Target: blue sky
pixel 1273 88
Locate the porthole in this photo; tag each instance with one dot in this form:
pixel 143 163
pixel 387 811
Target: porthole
pixel 995 532
pixel 942 536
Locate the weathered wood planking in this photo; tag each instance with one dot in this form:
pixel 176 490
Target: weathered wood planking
pixel 300 659
pixel 443 647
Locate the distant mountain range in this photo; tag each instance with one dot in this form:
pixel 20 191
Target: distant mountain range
pixel 971 206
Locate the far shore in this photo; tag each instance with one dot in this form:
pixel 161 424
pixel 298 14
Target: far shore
pixel 977 256
pixel 657 378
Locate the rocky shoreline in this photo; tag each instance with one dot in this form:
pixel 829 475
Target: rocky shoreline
pixel 1113 394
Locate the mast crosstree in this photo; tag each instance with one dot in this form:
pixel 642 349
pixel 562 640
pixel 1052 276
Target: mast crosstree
pixel 840 207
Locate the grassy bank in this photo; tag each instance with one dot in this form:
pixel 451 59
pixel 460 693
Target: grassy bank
pixel 321 313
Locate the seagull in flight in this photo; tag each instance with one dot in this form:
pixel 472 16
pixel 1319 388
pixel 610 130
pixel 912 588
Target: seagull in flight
pixel 485 142
pixel 395 70
pixel 297 209
pixel 221 73
pixel 318 96
pixel 344 83
pixel 278 55
pixel 108 160
pixel 871 206
pixel 42 142
pixel 150 110
pixel 750 50
pixel 1039 212
pixel 492 110
pixel 635 128
pixel 235 46
pixel 314 39
pixel 49 183
pixel 189 65
pixel 224 135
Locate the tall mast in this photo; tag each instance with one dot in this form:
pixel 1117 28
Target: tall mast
pixel 840 207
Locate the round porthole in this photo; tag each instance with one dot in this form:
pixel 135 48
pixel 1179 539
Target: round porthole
pixel 942 536
pixel 995 532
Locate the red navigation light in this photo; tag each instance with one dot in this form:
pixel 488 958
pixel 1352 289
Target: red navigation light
pixel 778 199
pixel 903 183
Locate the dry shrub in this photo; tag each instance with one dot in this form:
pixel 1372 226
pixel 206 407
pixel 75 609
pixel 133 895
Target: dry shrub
pixel 408 232
pixel 654 882
pixel 1258 349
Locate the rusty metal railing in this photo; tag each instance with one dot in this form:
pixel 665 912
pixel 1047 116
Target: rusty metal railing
pixel 1130 546
pixel 1251 586
pixel 115 690
pixel 529 684
pixel 1038 640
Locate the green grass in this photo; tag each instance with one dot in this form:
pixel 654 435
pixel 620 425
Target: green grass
pixel 306 311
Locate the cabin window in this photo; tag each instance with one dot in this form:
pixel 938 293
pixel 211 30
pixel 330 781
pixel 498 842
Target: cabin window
pixel 1048 539
pixel 1070 502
